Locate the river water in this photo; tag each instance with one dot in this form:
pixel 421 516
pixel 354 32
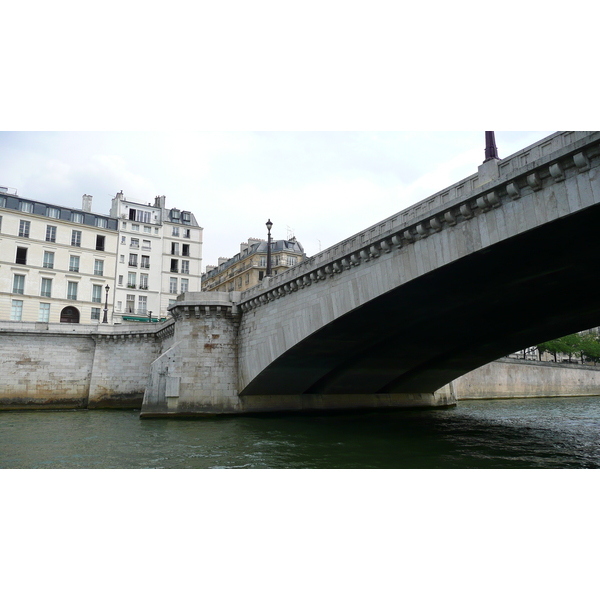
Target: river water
pixel 518 433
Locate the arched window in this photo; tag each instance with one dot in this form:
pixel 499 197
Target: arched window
pixel 69 314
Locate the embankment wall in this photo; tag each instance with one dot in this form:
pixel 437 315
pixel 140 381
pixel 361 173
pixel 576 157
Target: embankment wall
pixel 77 366
pixel 511 378
pixel 86 366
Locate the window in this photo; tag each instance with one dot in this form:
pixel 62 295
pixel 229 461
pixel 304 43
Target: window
pixel 239 282
pixel 175 215
pixel 130 303
pixel 185 266
pixel 135 228
pixel 50 233
pixel 53 212
pixel 123 225
pixel 16 310
pixel 24 228
pixel 247 278
pixel 175 231
pixel 95 314
pixel 120 279
pixel 123 239
pixel 21 258
pixel 25 206
pixel 46 287
pixel 96 293
pixel 48 260
pixel 184 285
pixel 147 229
pixel 143 281
pixel 185 217
pixel 98 267
pixel 185 249
pixel 133 260
pixel 156 231
pixel 18 284
pixel 74 264
pixel 139 215
pixel 100 242
pixel 172 285
pixel 186 233
pixel 75 238
pixel 135 243
pixel 291 260
pixel 72 290
pixel 119 306
pixel 263 261
pixel 145 264
pixel 142 303
pixel 146 245
pixel 175 248
pixel 101 222
pixel 2 201
pixel 131 280
pixel 44 314
pixel 77 217
pixel 122 258
pixel 261 274
pixel 174 265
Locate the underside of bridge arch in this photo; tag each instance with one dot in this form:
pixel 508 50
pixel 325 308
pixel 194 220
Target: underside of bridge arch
pixel 534 287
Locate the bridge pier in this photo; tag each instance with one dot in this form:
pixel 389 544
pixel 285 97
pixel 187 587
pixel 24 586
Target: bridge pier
pixel 198 373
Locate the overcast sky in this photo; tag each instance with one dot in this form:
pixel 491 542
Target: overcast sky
pixel 322 187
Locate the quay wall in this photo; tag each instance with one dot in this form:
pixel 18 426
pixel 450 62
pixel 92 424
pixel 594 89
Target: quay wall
pixel 77 366
pixel 514 378
pixel 104 366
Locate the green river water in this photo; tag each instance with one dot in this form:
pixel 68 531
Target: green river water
pixel 490 434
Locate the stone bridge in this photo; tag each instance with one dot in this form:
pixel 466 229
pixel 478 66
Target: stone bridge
pixel 499 261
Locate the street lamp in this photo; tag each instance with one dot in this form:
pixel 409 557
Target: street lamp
pixel 105 318
pixel 269 225
pixel 150 317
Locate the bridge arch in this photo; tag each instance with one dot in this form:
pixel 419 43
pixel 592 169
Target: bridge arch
pixel 511 264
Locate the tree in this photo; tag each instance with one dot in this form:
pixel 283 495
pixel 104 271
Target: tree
pixel 589 347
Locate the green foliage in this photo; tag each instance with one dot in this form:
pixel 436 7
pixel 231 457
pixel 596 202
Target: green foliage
pixel 583 345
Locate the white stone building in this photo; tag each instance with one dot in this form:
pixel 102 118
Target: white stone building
pixel 159 256
pixel 56 262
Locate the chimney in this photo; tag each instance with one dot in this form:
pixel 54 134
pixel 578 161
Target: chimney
pixel 243 246
pixel 222 260
pixel 86 203
pixel 160 201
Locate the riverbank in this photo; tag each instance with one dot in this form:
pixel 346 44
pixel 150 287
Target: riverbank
pixel 517 378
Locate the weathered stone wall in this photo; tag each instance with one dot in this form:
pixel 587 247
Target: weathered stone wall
pixel 510 378
pixel 198 373
pixel 45 371
pixel 77 366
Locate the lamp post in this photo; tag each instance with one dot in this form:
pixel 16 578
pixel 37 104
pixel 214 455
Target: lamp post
pixel 269 225
pixel 105 318
pixel 150 317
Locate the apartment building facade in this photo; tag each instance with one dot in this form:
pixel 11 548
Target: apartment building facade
pixel 249 266
pixel 61 264
pixel 55 262
pixel 160 256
